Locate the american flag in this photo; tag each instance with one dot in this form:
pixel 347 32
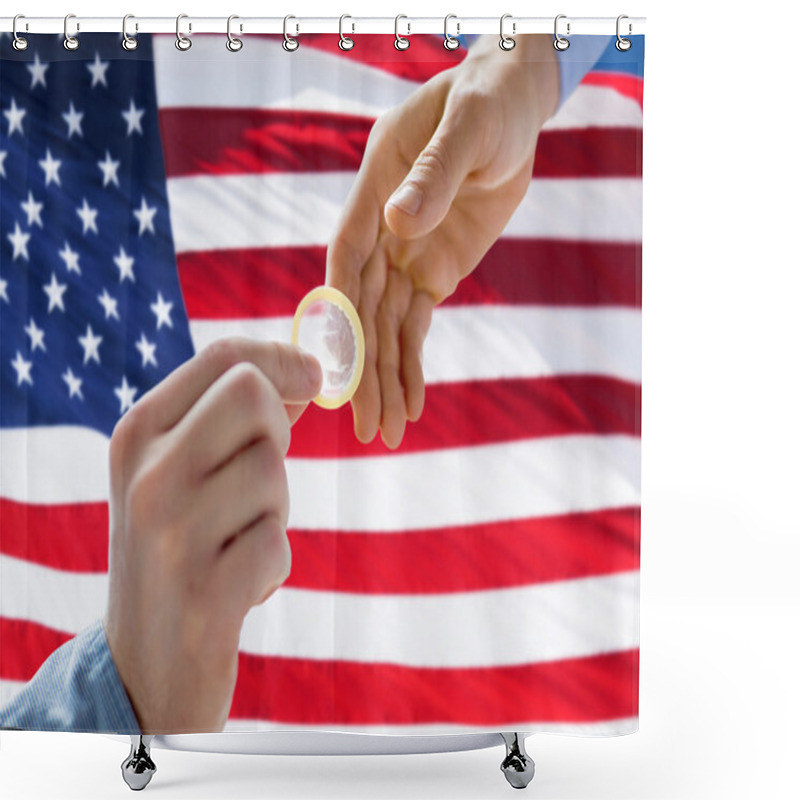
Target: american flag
pixel 482 577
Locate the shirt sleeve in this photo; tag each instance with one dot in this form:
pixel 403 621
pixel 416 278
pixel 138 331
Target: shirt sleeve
pixel 78 689
pixel 573 63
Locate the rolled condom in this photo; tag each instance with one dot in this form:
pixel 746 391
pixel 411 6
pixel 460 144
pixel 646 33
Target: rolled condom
pixel 326 325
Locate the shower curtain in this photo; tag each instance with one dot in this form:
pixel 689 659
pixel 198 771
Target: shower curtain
pixel 466 564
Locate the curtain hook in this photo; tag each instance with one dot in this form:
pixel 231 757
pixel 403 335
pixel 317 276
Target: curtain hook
pixel 560 43
pixel 623 44
pixel 129 42
pixel 181 42
pixel 345 42
pixel 400 42
pixel 289 44
pixel 506 42
pixel 19 43
pixel 450 42
pixel 233 44
pixel 70 42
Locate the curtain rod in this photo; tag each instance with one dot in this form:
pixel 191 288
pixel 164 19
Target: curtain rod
pixel 407 26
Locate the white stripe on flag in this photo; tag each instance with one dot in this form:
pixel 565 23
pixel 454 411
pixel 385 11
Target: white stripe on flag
pixel 313 80
pixel 58 464
pixel 564 619
pixel 529 478
pixel 301 209
pixel 484 342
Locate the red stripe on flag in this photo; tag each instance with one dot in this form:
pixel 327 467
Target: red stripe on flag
pixel 25 646
pixel 627 85
pixel 499 554
pixel 479 557
pixel 428 56
pixel 270 282
pixel 240 141
pixel 308 692
pixel 314 692
pixel 485 412
pixel 67 537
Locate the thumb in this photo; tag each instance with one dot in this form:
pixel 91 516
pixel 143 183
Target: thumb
pixel 424 197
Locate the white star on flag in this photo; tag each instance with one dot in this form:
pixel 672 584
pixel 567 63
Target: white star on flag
pixel 125 264
pixel 133 116
pixel 125 394
pixel 55 293
pixel 145 216
pixel 37 71
pixel 109 168
pixel 23 369
pixel 70 258
pixel 90 344
pixel 109 304
pixel 3 294
pixel 148 351
pixel 88 217
pixel 73 119
pixel 33 210
pixel 50 166
pixel 37 336
pixel 98 70
pixel 19 241
pixel 74 383
pixel 162 311
pixel 14 116
pixel 3 154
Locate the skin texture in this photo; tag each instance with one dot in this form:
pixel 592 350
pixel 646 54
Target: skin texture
pixel 441 176
pixel 198 512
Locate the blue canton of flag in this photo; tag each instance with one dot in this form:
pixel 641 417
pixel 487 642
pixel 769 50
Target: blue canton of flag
pixel 91 312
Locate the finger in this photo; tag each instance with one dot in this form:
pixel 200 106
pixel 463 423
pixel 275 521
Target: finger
pixel 415 329
pixel 252 566
pixel 249 486
pixel 424 197
pixel 294 411
pixel 296 376
pixel 366 402
pixel 392 312
pixel 357 229
pixel 241 406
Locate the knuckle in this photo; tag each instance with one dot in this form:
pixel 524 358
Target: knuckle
pixel 223 353
pixel 276 548
pixel 435 159
pixel 247 388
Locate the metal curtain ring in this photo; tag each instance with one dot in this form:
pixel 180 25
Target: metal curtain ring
pixel 70 42
pixel 181 42
pixel 128 42
pixel 345 42
pixel 450 42
pixel 400 42
pixel 233 44
pixel 560 43
pixel 289 44
pixel 19 43
pixel 623 44
pixel 506 42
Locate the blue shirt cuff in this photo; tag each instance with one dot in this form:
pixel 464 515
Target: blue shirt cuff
pixel 78 689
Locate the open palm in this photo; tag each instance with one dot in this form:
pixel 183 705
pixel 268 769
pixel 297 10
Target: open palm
pixel 441 176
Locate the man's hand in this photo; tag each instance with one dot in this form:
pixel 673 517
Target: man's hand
pixel 441 176
pixel 198 512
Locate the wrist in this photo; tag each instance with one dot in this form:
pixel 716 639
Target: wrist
pixel 530 69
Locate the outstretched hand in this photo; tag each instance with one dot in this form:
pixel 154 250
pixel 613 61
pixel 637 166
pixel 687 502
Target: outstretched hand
pixel 441 176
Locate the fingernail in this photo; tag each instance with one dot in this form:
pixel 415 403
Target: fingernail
pixel 407 198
